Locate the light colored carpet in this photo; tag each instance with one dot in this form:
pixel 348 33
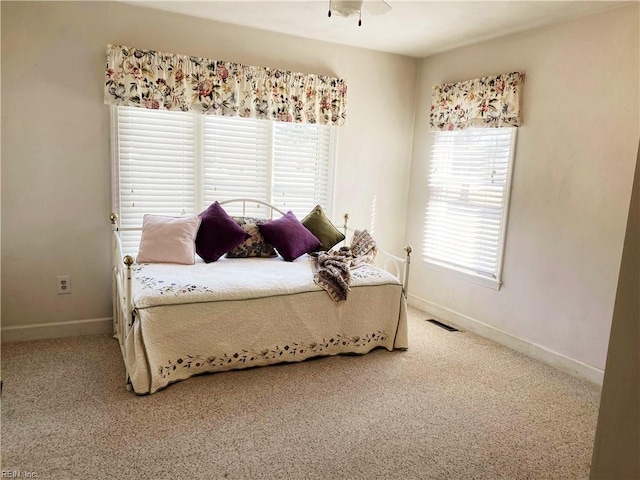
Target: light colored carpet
pixel 454 406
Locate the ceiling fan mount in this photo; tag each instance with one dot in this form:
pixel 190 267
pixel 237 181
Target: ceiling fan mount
pixel 348 8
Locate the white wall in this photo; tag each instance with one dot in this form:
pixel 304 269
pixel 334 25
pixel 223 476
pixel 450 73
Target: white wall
pixel 572 180
pixel 55 142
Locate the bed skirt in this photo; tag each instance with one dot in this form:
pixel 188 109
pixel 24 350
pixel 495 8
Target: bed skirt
pixel 169 343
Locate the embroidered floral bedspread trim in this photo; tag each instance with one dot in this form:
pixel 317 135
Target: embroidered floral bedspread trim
pixel 289 352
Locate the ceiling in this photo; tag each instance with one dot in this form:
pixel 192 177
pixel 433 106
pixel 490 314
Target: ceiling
pixel 412 28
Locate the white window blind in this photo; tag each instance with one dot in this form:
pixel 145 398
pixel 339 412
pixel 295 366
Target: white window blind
pixel 236 153
pixel 177 163
pixel 156 167
pixel 467 199
pixel 301 169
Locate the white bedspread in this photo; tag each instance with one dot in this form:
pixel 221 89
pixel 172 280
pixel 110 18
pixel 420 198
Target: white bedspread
pixel 239 313
pixel 235 279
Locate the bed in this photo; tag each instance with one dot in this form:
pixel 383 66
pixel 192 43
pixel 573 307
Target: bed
pixel 175 321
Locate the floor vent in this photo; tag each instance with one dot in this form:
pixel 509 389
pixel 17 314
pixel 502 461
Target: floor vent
pixel 442 325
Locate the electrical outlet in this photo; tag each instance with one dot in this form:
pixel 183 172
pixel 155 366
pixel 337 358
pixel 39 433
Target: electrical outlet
pixel 64 284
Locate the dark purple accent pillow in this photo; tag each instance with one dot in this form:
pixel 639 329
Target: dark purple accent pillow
pixel 218 233
pixel 289 236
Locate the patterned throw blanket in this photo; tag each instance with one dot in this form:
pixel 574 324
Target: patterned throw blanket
pixel 333 268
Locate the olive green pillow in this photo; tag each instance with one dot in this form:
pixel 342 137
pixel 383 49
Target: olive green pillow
pixel 320 225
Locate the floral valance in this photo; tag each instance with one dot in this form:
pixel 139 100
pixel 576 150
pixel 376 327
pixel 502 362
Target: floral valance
pixel 165 81
pixel 483 102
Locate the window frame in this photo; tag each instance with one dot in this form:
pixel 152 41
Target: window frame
pixel 467 273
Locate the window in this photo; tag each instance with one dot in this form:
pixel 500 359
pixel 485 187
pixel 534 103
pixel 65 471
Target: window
pixel 467 200
pixel 177 163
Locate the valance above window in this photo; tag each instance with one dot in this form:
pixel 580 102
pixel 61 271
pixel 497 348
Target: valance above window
pixel 165 81
pixel 483 102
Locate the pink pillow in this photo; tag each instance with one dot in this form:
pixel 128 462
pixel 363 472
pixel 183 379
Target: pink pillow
pixel 289 236
pixel 168 239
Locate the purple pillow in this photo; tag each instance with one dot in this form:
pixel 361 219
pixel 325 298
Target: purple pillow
pixel 289 236
pixel 218 233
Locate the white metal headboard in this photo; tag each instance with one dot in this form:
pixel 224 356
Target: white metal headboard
pixel 244 202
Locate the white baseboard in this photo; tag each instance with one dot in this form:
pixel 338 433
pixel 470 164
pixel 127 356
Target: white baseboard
pixel 554 359
pixel 73 328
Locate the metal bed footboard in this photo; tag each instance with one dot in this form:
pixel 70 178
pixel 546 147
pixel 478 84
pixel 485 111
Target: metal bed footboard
pixel 394 264
pixel 121 288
